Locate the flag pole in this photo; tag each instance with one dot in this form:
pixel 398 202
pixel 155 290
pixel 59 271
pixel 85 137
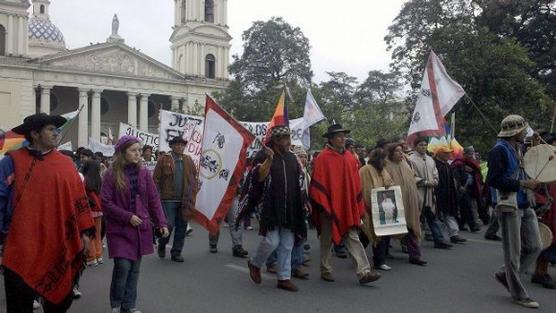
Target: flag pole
pixel 453 125
pixel 553 118
pixel 481 113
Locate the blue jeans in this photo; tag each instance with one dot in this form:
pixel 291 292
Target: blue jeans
pixel 123 289
pixel 298 255
pixel 175 222
pixel 282 240
pixel 433 223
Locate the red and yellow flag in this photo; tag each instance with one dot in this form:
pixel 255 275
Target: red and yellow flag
pixel 280 117
pixel 10 141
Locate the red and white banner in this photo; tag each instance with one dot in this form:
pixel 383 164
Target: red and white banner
pixel 222 163
pixel 439 93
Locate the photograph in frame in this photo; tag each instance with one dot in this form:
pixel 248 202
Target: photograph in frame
pixel 388 212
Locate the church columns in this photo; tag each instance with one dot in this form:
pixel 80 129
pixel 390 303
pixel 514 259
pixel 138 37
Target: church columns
pixel 10 35
pixel 83 131
pixel 45 99
pixel 132 109
pixel 224 10
pixel 175 104
pixel 144 112
pixel 95 112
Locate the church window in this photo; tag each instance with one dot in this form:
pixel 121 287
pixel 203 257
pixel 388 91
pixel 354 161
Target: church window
pixel 209 11
pixel 42 9
pixel 2 40
pixel 210 63
pixel 183 11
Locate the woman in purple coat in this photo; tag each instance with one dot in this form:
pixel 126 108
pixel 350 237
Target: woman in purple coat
pixel 132 206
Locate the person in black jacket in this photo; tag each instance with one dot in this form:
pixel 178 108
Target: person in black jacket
pixel 282 215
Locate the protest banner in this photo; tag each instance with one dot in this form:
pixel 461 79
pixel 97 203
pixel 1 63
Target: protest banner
pixel 97 146
pixel 144 137
pixel 189 127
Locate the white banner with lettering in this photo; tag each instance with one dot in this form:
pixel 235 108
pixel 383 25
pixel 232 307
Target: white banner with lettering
pixel 97 146
pixel 189 127
pixel 144 137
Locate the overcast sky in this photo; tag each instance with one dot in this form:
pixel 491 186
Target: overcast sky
pixel 344 35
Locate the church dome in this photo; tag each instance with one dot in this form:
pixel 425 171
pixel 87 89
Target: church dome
pixel 43 30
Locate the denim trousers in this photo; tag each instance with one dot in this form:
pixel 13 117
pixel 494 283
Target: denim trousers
pixel 521 242
pixel 176 224
pixel 298 255
pixel 123 289
pixel 281 240
pixel 433 225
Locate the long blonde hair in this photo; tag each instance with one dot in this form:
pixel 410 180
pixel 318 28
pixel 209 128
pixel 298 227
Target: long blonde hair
pixel 118 167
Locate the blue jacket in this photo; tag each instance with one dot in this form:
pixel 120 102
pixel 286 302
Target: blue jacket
pixel 6 201
pixel 502 166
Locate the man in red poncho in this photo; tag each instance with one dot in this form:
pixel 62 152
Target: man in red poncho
pixel 337 200
pixel 45 219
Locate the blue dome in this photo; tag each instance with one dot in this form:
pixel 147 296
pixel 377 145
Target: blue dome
pixel 43 30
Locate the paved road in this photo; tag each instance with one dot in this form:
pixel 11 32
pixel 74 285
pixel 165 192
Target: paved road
pixel 456 281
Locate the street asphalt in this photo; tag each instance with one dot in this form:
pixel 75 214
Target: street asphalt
pixel 455 281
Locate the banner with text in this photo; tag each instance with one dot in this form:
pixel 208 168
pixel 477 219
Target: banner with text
pixel 145 138
pixel 189 127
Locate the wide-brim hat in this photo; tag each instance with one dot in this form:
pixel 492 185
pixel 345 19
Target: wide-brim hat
pixel 176 140
pixel 335 129
pixel 512 125
pixel 37 122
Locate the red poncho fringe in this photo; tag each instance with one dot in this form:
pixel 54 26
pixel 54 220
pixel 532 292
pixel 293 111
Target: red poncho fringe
pixel 51 211
pixel 336 191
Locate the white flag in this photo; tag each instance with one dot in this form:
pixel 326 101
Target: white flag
pixel 224 145
pixel 439 93
pixel 312 114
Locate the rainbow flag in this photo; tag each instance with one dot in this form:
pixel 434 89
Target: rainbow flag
pixel 10 141
pixel 280 117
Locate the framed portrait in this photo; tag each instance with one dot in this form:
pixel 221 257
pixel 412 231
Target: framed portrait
pixel 388 212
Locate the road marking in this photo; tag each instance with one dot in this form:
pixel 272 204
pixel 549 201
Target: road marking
pixel 244 269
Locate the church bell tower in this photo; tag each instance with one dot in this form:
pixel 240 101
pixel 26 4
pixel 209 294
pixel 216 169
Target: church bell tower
pixel 200 41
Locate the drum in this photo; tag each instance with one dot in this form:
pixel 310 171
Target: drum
pixel 546 235
pixel 540 163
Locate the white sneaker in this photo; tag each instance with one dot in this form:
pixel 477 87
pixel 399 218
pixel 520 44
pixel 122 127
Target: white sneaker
pixel 100 261
pixel 384 267
pixel 92 263
pixel 528 303
pixel 36 305
pixel 115 310
pixel 76 293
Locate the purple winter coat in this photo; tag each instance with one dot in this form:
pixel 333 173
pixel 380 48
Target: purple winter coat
pixel 124 240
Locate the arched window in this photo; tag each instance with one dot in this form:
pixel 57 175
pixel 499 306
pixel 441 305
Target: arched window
pixel 183 11
pixel 2 40
pixel 210 62
pixel 209 11
pixel 42 9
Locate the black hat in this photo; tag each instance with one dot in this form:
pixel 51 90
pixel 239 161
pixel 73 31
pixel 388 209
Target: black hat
pixel 335 129
pixel 37 122
pixel 176 140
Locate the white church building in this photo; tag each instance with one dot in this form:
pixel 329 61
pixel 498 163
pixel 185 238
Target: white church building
pixel 111 81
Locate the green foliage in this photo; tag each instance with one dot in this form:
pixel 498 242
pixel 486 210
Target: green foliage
pixel 480 44
pixel 275 55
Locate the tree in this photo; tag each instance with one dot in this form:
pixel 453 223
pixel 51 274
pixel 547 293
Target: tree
pixel 275 55
pixel 494 69
pixel 273 52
